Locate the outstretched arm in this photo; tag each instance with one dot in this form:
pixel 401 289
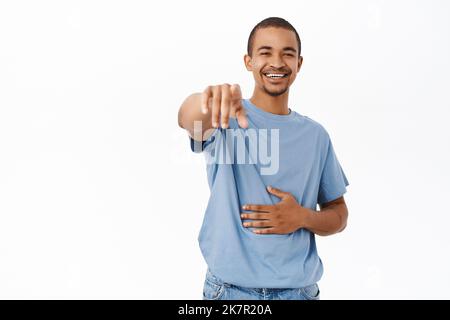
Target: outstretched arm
pixel 214 106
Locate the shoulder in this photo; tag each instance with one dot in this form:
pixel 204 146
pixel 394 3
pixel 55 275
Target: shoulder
pixel 314 126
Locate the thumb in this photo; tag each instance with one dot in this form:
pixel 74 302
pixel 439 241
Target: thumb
pixel 237 109
pixel 277 192
pixel 241 118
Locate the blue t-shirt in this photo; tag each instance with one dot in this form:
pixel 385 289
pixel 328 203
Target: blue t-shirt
pixel 290 152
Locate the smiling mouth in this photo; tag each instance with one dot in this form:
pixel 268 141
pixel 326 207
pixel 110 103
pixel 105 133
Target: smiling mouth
pixel 275 75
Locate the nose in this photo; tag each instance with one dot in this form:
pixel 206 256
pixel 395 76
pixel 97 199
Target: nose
pixel 276 62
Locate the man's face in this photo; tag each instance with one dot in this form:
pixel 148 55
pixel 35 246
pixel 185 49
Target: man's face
pixel 274 62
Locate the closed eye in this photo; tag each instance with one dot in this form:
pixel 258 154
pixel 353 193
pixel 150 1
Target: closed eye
pixel 267 53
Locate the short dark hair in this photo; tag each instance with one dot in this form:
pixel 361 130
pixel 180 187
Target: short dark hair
pixel 272 22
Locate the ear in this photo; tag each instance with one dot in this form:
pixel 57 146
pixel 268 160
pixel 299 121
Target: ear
pixel 248 62
pixel 300 61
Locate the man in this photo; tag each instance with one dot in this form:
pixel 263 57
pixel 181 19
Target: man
pixel 257 236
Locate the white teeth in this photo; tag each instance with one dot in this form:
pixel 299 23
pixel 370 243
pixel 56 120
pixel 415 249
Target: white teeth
pixel 275 75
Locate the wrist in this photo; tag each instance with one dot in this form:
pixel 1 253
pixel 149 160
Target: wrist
pixel 305 215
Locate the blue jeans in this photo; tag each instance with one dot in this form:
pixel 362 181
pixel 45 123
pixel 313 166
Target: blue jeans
pixel 216 289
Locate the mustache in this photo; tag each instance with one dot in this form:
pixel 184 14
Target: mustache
pixel 277 71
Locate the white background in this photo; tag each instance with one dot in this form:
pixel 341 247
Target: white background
pixel 100 196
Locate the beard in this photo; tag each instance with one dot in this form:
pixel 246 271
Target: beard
pixel 275 93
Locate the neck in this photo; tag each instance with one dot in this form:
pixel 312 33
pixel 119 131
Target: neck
pixel 265 102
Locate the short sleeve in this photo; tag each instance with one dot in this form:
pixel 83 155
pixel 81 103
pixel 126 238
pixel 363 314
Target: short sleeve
pixel 200 146
pixel 333 181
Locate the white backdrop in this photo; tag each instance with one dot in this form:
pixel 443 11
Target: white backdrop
pixel 100 196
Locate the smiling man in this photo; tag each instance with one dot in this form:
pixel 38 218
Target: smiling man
pixel 258 232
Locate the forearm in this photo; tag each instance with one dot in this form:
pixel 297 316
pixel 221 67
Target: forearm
pixel 327 221
pixel 190 111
